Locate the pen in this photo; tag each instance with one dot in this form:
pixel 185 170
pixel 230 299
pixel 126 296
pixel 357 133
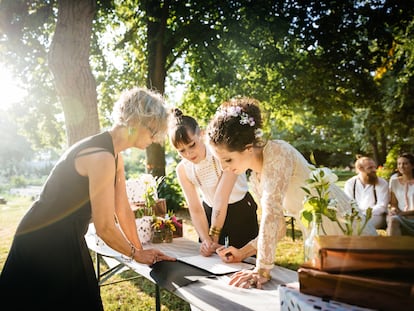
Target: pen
pixel 226 242
pixel 226 245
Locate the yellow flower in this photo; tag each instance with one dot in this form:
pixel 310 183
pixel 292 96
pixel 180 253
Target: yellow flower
pixel 169 222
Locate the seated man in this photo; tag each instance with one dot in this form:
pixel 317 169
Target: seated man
pixel 369 190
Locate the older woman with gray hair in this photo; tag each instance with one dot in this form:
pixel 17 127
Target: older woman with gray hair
pixel 49 265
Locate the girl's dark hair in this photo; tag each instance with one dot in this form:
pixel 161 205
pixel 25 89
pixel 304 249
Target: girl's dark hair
pixel 181 127
pixel 237 123
pixel 410 158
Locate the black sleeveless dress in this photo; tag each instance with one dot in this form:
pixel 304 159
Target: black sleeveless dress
pixel 49 265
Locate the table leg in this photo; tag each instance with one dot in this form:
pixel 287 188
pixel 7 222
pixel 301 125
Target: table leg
pixel 157 298
pixel 98 267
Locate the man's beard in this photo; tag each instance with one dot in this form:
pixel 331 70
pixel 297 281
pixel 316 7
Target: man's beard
pixel 372 178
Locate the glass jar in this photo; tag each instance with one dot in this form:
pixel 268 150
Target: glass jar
pixel 157 236
pixel 310 243
pixel 168 236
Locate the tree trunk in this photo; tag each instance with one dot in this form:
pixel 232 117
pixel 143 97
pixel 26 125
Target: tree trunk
pixel 69 63
pixel 374 145
pixel 383 148
pixel 156 24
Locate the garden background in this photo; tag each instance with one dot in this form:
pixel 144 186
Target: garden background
pixel 334 78
pixel 138 294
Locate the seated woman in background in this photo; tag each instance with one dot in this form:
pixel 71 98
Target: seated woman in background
pixel 278 173
pixel 227 209
pixel 401 214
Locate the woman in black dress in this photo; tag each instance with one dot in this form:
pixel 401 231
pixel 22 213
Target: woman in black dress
pixel 49 265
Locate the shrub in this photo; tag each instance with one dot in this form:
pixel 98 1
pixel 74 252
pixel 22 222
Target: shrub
pixel 171 191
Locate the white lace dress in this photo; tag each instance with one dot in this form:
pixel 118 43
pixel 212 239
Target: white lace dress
pixel 278 187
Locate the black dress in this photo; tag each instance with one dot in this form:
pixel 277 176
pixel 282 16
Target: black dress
pixel 49 265
pixel 241 224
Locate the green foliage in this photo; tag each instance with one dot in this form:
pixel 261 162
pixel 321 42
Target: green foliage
pixel 134 163
pixel 310 74
pixel 348 62
pixel 385 172
pixel 390 166
pixel 354 222
pixel 172 192
pixel 27 29
pixel 317 201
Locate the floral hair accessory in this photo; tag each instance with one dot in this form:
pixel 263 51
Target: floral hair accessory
pixel 245 119
pixel 236 111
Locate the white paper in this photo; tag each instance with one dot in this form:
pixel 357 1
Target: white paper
pixel 214 264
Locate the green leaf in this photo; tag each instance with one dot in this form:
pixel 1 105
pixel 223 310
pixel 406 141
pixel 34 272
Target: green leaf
pixel 312 158
pixel 306 217
pixel 306 190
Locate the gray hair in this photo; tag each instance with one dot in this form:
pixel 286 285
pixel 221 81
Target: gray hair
pixel 141 106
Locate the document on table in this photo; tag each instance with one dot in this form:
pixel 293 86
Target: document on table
pixel 214 264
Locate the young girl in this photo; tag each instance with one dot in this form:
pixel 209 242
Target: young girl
pixel 226 210
pixel 401 215
pixel 278 173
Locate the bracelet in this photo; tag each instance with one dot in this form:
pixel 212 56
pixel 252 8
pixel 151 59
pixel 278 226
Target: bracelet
pixel 214 231
pixel 130 257
pixel 265 274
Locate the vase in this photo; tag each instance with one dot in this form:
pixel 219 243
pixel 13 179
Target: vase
pixel 310 247
pixel 157 236
pixel 144 228
pixel 168 236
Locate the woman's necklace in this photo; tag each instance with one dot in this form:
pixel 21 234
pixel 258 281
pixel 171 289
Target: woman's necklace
pixel 215 170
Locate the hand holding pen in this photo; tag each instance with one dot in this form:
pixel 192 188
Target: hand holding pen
pixel 229 253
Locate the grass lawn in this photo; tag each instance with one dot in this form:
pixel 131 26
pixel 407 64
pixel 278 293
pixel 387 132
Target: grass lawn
pixel 138 294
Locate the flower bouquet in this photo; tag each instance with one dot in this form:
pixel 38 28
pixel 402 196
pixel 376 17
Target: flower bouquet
pixel 163 228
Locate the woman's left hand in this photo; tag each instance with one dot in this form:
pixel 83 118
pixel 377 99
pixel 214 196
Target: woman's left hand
pixel 208 248
pixel 248 279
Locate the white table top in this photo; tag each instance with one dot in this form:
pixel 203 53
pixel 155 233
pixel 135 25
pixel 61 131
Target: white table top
pixel 206 293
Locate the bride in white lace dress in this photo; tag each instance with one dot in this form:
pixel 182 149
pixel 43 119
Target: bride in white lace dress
pixel 278 171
